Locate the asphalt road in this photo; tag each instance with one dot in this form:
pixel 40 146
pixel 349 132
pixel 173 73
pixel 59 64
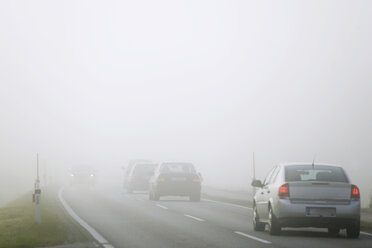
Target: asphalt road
pixel 134 221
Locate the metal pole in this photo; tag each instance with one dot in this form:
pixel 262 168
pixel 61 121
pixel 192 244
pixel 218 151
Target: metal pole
pixel 254 168
pixel 37 166
pixel 254 175
pixel 37 194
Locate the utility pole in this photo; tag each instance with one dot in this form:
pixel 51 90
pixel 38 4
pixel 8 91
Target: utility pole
pixel 37 194
pixel 254 175
pixel 254 168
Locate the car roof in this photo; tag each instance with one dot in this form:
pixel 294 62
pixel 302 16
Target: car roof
pixel 309 164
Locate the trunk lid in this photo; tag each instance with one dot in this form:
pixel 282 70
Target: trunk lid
pixel 320 192
pixel 179 178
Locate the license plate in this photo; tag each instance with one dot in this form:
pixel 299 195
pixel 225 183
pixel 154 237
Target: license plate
pixel 321 212
pixel 178 179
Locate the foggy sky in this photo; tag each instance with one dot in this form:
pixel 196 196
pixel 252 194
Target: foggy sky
pixel 209 82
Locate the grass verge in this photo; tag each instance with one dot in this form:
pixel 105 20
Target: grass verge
pixel 19 230
pixel 367 210
pixel 366 226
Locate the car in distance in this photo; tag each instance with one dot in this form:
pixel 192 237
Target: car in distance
pixel 82 174
pixel 128 169
pixel 175 179
pixel 139 176
pixel 307 195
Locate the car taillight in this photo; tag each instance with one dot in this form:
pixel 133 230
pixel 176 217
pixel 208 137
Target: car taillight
pixel 196 180
pixel 161 179
pixel 284 191
pixel 355 193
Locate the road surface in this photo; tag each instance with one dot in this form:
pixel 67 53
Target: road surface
pixel 134 221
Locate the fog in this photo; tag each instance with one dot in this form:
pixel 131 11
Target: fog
pixel 208 82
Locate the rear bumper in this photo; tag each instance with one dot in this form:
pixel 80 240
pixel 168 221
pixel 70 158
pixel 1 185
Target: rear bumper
pixel 320 222
pixel 178 190
pixel 294 214
pixel 139 185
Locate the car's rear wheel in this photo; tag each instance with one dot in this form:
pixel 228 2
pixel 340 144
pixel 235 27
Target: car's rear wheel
pixel 273 225
pixel 195 197
pixel 333 231
pixel 156 196
pixel 257 225
pixel 353 230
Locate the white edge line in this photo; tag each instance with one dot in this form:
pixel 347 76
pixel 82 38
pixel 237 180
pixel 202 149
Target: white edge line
pixel 87 227
pixel 161 206
pixel 253 237
pixel 365 233
pixel 193 217
pixel 108 246
pixel 230 204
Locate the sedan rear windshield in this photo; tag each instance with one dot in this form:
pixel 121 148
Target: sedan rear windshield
pixel 177 168
pixel 319 173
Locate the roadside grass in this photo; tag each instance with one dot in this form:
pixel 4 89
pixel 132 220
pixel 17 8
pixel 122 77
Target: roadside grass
pixel 367 210
pixel 19 230
pixel 18 227
pixel 366 226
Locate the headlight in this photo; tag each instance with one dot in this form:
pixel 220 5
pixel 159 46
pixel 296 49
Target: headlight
pixel 92 175
pixel 72 175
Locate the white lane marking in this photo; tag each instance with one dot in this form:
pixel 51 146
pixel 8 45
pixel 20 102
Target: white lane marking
pixel 253 237
pixel 87 227
pixel 161 206
pixel 365 233
pixel 193 217
pixel 230 204
pixel 108 246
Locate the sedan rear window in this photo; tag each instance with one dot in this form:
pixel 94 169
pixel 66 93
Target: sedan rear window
pixel 319 173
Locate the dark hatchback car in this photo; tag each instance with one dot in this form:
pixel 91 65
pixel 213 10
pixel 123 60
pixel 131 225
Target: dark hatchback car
pixel 82 174
pixel 175 179
pixel 139 176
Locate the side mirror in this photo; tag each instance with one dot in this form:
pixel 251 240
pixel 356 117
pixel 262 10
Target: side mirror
pixel 257 183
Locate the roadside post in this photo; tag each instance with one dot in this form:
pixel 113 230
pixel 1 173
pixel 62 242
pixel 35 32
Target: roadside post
pixel 37 194
pixel 254 176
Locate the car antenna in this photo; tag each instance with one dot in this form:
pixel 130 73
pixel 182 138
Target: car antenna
pixel 254 175
pixel 313 162
pixel 254 168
